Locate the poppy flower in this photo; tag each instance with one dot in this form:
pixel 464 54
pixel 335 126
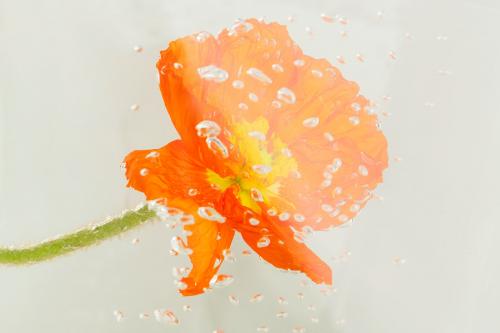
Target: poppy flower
pixel 274 145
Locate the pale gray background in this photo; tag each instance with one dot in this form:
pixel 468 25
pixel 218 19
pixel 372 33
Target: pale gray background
pixel 68 75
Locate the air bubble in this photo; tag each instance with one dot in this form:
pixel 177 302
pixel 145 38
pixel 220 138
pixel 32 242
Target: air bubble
pixel 233 300
pixel 237 84
pixel 256 195
pixel 207 128
pixel 256 298
pixel 253 221
pixel 209 213
pixel 264 241
pixel 277 68
pixel 257 135
pixel 213 73
pixel 311 122
pixel 262 169
pixel 284 216
pixel 153 154
pixel 286 95
pixel 144 172
pixel 259 75
pixel 202 36
pixel 253 97
pixel 216 145
pixel 221 280
pixel 282 315
pixel 363 170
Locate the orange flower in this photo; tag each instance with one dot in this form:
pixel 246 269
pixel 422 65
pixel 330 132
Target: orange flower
pixel 274 144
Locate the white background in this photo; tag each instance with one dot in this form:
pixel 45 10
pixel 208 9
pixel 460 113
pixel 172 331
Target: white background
pixel 68 75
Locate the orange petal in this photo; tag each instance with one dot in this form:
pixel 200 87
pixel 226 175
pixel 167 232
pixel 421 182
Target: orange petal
pixel 277 244
pixel 208 241
pixel 170 172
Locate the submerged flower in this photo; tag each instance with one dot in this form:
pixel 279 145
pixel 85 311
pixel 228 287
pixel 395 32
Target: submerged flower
pixel 274 144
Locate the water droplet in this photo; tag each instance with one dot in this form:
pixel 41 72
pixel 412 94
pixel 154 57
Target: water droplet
pixel 290 18
pixel 286 95
pixel 221 280
pixel 257 135
pixel 263 328
pixel 343 218
pixel 284 216
pixel 134 107
pixel 187 308
pixel 392 55
pixel 356 107
pixel 328 136
pixel 253 221
pixel 240 27
pixel 354 120
pixel 166 316
pixel 326 18
pixel 264 241
pixel 343 33
pixel 315 320
pixel 262 169
pixel 311 122
pixel 256 195
pixel 138 48
pixel 256 298
pixel 282 315
pixel 144 172
pixel 213 73
pixel 216 145
pixel 316 73
pixel 342 20
pixel 299 63
pixel 135 241
pixel 363 170
pixel 277 68
pixel 118 315
pixel 399 261
pixel 282 301
pixel 207 128
pixel 276 104
pixel 355 208
pixel 360 57
pixel 192 192
pixel 233 299
pixel 259 75
pixel 299 218
pixel 253 97
pixel 218 331
pixel 298 329
pixel 335 166
pixel 300 296
pixel 340 59
pixel 326 208
pixel 272 212
pixel 202 36
pixel 209 213
pixel 144 316
pixel 153 154
pixel 178 245
pixel 238 84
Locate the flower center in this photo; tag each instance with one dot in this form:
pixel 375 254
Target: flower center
pixel 260 166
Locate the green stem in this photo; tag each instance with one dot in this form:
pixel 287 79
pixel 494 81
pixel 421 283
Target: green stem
pixel 77 240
